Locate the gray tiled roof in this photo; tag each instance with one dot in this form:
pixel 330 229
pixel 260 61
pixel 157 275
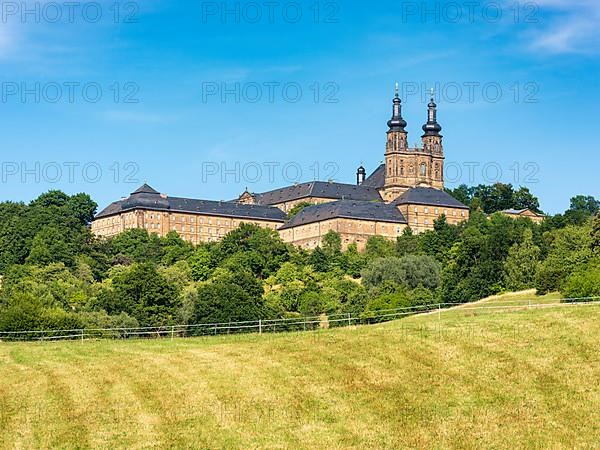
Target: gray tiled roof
pixel 428 196
pixel 148 198
pixel 318 189
pixel 376 179
pixel 361 210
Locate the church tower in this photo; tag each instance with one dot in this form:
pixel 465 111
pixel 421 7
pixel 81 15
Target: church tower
pixel 395 152
pixel 405 167
pixel 432 145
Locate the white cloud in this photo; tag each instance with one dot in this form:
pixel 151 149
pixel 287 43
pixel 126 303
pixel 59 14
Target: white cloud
pixel 572 27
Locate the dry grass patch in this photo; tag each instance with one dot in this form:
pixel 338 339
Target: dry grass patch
pixel 520 379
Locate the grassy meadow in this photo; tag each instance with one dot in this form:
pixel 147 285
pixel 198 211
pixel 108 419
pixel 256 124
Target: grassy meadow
pixel 465 378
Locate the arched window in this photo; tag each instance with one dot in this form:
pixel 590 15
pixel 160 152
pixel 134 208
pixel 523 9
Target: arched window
pixel 423 169
pixel 437 147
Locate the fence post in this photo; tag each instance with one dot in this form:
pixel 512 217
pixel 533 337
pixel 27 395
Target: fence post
pixel 172 332
pixel 259 326
pixel 349 320
pixel 82 335
pixel 439 311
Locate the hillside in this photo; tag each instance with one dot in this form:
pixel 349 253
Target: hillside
pixel 469 378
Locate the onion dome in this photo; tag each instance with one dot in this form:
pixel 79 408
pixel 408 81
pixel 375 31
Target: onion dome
pixel 397 123
pixel 432 128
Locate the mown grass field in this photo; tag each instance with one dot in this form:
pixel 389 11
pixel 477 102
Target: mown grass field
pixel 464 378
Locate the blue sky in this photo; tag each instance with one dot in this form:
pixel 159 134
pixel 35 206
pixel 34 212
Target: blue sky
pixel 518 94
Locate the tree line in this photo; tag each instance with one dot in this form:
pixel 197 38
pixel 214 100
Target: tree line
pixel 57 275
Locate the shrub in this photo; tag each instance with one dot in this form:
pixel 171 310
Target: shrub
pixel 410 271
pixel 585 283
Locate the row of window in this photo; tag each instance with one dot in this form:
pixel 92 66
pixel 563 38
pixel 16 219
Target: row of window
pixel 437 212
pixel 422 170
pixel 220 231
pixel 184 219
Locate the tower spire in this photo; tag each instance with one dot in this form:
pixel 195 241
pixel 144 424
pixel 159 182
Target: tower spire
pixel 397 123
pixel 432 127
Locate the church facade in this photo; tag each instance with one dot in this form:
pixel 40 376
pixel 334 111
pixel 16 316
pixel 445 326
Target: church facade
pixel 407 190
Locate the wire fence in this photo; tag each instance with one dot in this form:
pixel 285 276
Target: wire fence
pixel 292 324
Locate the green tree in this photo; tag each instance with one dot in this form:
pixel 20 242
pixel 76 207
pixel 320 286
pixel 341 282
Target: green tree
pixel 50 246
pixel 269 252
pixel 583 284
pixel 595 244
pixel 137 245
pixel 439 241
pixel 82 207
pixel 142 292
pixel 522 263
pixel 410 271
pixel 569 249
pixel 318 260
pixel 379 247
pixel 201 263
pixel 582 208
pixel 354 260
pixel 332 244
pixel 230 297
pixel 524 199
pixel 174 248
pixel 407 243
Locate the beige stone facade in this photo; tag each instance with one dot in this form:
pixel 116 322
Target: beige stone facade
pixel 310 236
pixel 191 227
pixel 422 217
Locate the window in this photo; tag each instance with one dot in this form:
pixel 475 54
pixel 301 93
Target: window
pixel 462 213
pixel 416 209
pixel 416 221
pixel 423 169
pixel 426 210
pixel 436 211
pixel 426 221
